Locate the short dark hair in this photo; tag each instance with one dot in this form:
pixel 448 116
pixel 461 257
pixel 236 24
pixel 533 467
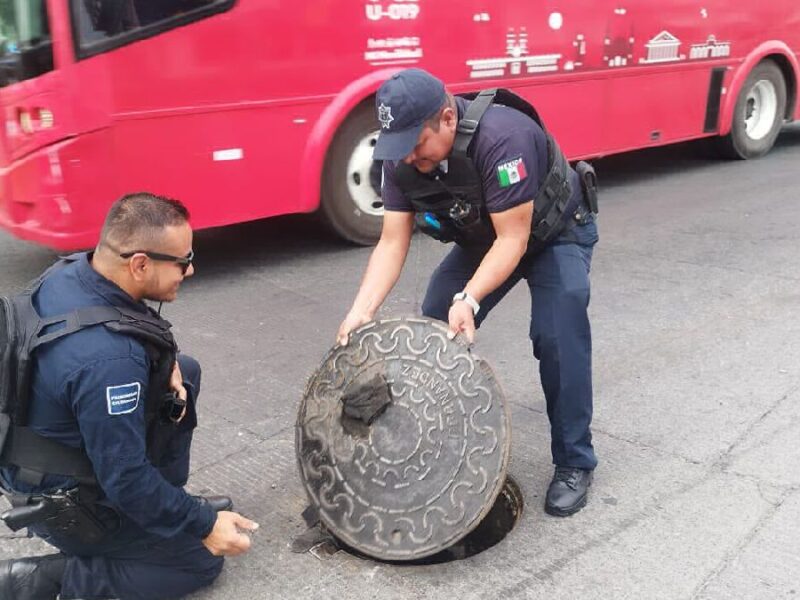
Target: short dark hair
pixel 434 121
pixel 139 219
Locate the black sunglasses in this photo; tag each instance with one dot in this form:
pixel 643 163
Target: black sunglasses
pixel 184 262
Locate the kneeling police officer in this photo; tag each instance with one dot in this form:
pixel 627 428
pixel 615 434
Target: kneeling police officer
pixel 486 175
pixel 97 466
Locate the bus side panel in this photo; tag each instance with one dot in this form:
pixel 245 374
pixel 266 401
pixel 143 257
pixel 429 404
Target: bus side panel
pixel 255 52
pixel 643 108
pixel 252 81
pixel 228 166
pixel 573 111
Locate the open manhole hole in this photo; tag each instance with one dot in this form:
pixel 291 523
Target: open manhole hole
pixel 501 519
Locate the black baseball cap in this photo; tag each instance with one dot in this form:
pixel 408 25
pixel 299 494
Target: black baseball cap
pixel 404 102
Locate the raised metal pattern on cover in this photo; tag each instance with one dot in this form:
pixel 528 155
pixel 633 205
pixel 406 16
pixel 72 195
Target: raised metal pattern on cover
pixel 430 466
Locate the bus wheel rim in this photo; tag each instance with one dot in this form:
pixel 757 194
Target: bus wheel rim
pixel 364 196
pixel 761 109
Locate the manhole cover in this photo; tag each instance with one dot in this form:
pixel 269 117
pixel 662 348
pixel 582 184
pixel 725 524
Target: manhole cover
pixel 425 465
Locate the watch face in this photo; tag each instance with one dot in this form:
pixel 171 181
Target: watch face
pixel 463 296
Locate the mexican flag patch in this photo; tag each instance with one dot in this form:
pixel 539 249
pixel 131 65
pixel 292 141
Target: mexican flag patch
pixel 511 172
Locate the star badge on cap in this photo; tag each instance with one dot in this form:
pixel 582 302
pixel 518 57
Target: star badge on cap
pixel 385 115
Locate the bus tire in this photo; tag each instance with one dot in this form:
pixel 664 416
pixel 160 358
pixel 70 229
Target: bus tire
pixel 758 115
pixel 351 204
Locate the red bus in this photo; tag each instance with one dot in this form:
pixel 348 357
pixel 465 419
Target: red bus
pixel 247 109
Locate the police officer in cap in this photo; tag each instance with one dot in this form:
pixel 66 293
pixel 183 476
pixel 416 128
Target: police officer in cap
pixel 93 390
pixel 490 178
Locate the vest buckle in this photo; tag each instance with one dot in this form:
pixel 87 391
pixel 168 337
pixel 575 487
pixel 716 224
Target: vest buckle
pixel 467 126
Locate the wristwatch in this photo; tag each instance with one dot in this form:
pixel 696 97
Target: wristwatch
pixel 469 300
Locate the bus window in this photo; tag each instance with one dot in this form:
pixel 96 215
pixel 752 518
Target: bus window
pixel 26 50
pixel 101 25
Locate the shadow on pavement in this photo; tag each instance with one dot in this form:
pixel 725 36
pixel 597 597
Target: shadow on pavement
pixel 789 137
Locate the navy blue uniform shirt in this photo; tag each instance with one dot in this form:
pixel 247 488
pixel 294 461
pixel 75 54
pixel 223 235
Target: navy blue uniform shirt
pixel 89 389
pixel 510 153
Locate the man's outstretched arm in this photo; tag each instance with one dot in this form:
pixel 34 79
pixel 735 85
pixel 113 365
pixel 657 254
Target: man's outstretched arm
pixel 383 271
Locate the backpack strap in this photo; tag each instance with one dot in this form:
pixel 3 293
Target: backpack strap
pixel 149 328
pixel 74 321
pixel 468 124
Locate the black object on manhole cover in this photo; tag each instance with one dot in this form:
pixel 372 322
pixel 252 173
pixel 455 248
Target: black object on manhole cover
pixel 402 439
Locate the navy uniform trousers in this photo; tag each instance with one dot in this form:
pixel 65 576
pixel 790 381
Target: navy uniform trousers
pixel 133 564
pixel 558 279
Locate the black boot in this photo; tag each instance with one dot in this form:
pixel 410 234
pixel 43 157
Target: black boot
pixel 218 503
pixel 34 578
pixel 568 491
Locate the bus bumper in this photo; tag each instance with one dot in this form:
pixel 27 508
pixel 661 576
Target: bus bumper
pixel 38 198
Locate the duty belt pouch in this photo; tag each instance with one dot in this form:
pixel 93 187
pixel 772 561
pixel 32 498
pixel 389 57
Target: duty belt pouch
pixel 438 229
pixel 589 184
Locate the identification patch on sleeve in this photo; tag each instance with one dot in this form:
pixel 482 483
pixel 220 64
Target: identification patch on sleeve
pixel 123 399
pixel 511 172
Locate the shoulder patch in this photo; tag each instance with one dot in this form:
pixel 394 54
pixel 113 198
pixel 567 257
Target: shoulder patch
pixel 123 399
pixel 511 172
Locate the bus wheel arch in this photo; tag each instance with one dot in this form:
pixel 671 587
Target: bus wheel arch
pixel 759 109
pixel 350 185
pixel 790 77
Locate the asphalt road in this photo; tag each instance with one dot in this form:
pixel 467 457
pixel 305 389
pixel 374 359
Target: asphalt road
pixel 696 289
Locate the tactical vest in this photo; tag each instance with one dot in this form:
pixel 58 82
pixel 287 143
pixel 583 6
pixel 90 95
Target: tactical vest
pixel 37 456
pixel 450 207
